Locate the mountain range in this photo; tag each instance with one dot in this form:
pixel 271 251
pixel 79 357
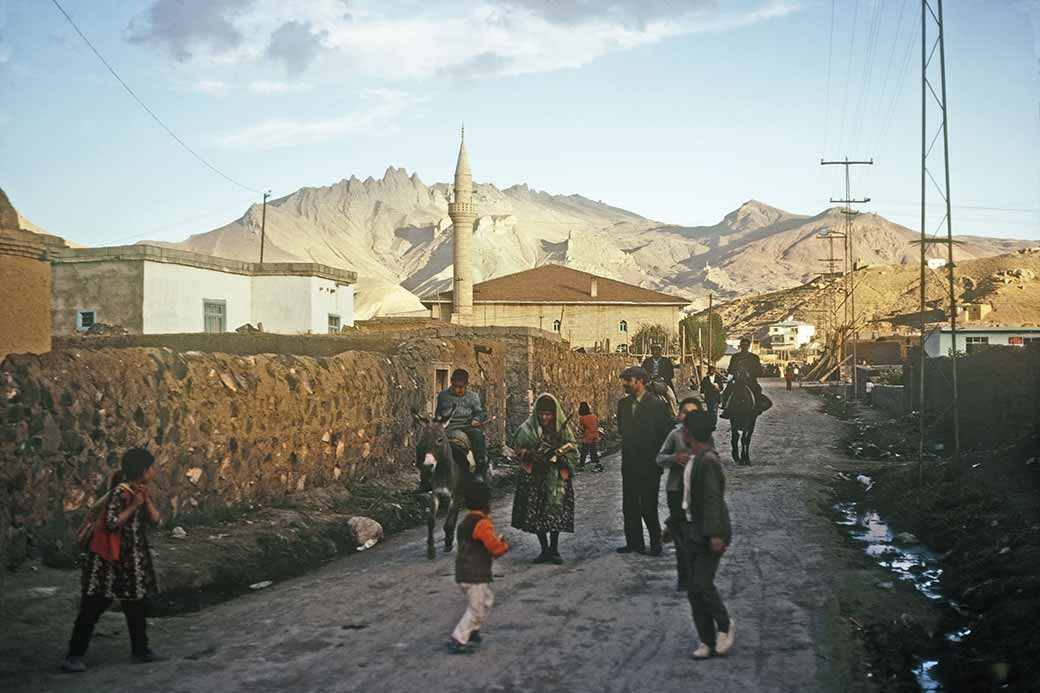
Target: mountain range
pixel 396 234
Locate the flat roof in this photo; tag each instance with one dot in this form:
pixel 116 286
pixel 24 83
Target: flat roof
pixel 992 329
pixel 156 253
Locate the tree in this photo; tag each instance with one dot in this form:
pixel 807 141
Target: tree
pixel 647 335
pixel 696 328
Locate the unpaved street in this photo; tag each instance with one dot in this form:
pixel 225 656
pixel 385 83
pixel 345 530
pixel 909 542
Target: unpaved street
pixel 380 620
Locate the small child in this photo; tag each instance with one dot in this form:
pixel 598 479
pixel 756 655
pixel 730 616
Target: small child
pixel 589 437
pixel 478 546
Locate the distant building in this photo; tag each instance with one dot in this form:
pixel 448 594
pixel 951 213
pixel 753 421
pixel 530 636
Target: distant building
pixel 586 310
pixel 25 291
pixel 790 335
pixel 974 312
pixel 936 262
pixel 155 290
pixel 971 339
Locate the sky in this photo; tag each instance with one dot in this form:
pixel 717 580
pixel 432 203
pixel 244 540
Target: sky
pixel 677 110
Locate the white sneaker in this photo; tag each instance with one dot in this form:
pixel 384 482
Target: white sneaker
pixel 724 641
pixel 702 652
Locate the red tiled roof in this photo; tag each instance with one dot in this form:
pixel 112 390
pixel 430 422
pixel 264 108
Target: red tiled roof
pixel 559 284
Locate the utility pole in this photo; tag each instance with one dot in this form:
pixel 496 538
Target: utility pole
pixel 935 9
pixel 850 282
pixel 263 225
pixel 711 341
pixel 830 236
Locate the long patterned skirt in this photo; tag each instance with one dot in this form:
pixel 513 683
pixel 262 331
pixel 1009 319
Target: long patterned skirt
pixel 532 511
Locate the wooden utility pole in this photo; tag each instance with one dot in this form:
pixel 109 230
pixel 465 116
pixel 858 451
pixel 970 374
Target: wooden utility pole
pixel 711 341
pixel 263 225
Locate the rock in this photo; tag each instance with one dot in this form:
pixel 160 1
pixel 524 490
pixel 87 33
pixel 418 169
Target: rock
pixel 1004 551
pixel 246 329
pixel 73 500
pixel 905 538
pixel 194 474
pixel 885 585
pixel 179 533
pixel 261 585
pixel 364 530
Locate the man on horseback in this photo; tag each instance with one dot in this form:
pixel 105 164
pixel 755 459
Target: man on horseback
pixel 748 363
pixel 467 418
pixel 659 367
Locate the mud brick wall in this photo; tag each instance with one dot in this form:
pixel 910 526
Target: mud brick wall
pixel 226 430
pixel 890 399
pixel 998 393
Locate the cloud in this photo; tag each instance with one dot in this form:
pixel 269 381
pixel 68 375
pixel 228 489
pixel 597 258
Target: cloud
pixel 219 87
pixel 184 26
pixel 378 108
pixel 295 45
pixel 408 40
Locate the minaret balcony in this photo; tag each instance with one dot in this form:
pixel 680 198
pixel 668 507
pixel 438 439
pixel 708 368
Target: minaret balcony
pixel 462 208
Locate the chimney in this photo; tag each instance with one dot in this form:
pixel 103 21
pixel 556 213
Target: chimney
pixel 594 289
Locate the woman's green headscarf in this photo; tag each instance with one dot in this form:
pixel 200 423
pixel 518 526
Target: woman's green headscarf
pixel 529 437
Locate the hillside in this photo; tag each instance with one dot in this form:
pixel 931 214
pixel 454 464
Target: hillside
pixel 888 297
pixel 396 233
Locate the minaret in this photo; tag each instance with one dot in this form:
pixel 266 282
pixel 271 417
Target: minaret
pixel 463 213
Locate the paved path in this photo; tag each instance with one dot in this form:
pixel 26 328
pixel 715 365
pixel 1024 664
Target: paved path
pixel 600 622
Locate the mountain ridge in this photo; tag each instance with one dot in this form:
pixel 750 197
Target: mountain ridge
pixel 396 233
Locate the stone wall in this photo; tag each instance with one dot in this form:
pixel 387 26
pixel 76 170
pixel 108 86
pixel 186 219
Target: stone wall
pixel 240 429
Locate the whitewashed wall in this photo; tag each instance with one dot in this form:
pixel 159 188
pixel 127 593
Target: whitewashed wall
pixel 282 303
pixel 327 298
pixel 941 344
pixel 173 297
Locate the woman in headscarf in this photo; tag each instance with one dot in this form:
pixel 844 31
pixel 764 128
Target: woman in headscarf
pixel 544 500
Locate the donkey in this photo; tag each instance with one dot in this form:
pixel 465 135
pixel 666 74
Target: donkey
pixel 742 412
pixel 446 463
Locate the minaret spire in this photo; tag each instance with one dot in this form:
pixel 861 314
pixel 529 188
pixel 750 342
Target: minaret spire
pixel 463 214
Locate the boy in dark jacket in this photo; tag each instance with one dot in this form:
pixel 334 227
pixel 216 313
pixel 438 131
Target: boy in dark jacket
pixel 708 535
pixel 478 546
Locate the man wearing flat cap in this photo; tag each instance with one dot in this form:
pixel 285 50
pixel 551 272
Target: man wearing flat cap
pixel 644 421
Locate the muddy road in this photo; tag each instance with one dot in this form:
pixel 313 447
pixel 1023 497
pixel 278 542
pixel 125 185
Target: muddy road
pixel 380 620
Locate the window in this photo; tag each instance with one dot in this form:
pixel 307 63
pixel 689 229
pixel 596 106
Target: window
pixel 623 326
pixel 85 319
pixel 1030 340
pixel 333 323
pixel 973 344
pixel 556 325
pixel 214 316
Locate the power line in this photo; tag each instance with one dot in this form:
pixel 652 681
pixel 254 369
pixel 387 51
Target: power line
pixel 888 73
pixel 863 104
pixel 848 73
pixel 886 120
pixel 149 111
pixel 830 57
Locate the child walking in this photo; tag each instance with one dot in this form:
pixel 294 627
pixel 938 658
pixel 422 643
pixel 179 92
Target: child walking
pixel 478 546
pixel 589 445
pixel 708 535
pixel 119 563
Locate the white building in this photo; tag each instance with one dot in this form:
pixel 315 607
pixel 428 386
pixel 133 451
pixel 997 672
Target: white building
pixel 790 335
pixel 155 290
pixel 971 339
pixel 936 262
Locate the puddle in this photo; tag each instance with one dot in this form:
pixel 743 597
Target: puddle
pixel 913 563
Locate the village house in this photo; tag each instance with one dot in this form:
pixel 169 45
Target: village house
pixel 586 310
pixel 971 339
pixel 790 335
pixel 25 292
pixel 150 289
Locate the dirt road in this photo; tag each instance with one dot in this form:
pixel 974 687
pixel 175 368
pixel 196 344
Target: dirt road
pixel 600 622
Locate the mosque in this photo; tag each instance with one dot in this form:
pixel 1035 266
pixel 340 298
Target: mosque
pixel 586 310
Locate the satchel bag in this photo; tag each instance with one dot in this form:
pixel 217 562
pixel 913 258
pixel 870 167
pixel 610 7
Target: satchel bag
pixel 94 535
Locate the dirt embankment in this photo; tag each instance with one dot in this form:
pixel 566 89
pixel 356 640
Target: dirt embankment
pixel 983 519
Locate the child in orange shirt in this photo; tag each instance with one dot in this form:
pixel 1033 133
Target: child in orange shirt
pixel 589 445
pixel 478 547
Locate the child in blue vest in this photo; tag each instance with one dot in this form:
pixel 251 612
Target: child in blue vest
pixel 478 547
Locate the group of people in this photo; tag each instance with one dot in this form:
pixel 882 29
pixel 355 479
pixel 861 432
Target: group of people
pixel 653 442
pixel 118 562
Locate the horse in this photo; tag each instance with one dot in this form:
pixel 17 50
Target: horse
pixel 742 411
pixel 446 463
pixel 665 393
